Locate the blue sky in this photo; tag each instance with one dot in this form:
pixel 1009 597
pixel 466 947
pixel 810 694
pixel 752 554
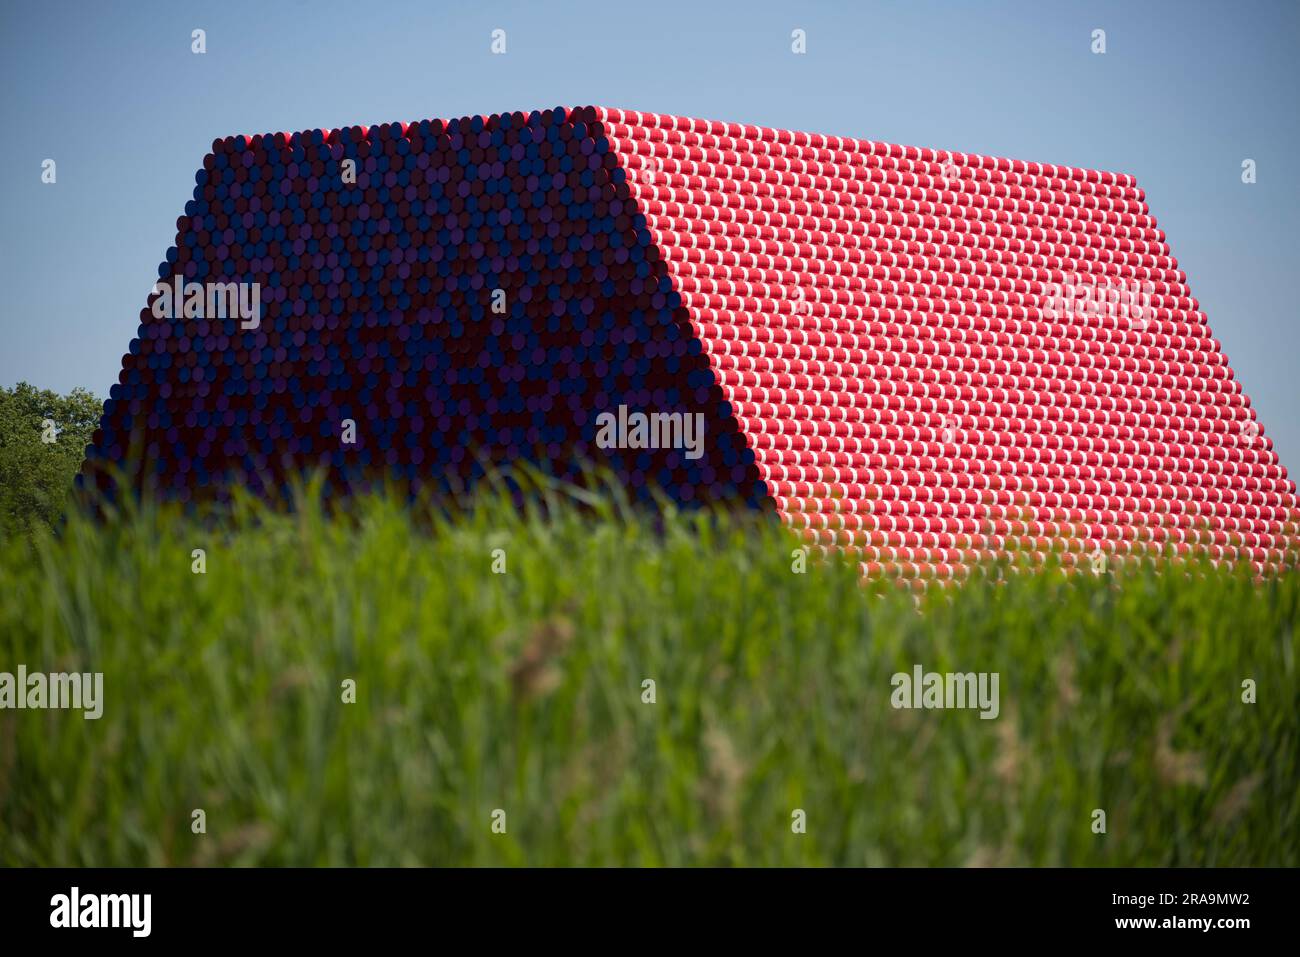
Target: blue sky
pixel 113 93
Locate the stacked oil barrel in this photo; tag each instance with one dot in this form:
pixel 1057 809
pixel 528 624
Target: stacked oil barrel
pixel 919 358
pixel 436 299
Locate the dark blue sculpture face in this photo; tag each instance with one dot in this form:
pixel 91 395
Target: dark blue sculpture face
pixel 418 304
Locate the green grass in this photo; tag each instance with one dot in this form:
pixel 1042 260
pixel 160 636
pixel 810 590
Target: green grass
pixel 523 691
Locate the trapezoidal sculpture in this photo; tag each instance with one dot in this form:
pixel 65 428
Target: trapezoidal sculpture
pixel 922 358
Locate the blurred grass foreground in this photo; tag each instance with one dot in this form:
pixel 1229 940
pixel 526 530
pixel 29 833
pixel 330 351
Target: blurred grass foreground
pixel 575 682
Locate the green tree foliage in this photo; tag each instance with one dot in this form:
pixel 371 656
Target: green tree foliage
pixel 36 475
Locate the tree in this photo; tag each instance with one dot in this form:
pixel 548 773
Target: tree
pixel 43 439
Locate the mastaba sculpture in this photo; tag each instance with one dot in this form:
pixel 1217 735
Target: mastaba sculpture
pixel 922 358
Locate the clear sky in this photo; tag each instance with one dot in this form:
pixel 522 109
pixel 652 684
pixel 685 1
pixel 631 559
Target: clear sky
pixel 112 92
